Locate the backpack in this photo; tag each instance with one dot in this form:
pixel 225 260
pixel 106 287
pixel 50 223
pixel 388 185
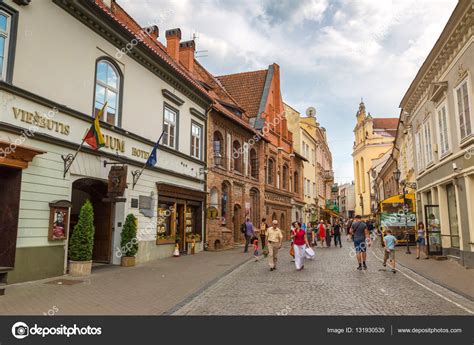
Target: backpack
pixel 243 228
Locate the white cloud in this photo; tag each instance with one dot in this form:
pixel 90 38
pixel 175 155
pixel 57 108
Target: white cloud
pixel 331 52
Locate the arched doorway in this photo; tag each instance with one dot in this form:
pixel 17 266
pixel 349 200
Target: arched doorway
pixel 96 192
pixel 237 222
pixel 282 224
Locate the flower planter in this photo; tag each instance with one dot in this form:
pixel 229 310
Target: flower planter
pixel 80 268
pixel 165 241
pixel 128 261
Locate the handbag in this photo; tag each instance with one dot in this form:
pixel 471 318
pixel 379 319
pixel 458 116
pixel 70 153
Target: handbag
pixel 309 253
pixel 292 251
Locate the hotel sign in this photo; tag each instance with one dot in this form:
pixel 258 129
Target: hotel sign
pixel 42 121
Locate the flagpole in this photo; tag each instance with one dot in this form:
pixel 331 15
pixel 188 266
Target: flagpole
pixel 137 173
pixel 69 158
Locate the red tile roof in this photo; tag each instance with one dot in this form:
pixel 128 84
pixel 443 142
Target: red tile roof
pixel 118 14
pixel 247 88
pixel 388 124
pixel 220 95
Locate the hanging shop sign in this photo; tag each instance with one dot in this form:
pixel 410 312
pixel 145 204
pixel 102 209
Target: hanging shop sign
pixel 212 212
pixel 117 180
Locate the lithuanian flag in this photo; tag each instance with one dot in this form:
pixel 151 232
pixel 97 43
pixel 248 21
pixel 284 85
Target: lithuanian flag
pixel 94 136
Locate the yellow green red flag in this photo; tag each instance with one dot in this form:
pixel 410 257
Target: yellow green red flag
pixel 94 136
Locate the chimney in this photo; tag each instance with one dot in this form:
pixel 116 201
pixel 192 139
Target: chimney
pixel 173 37
pixel 152 31
pixel 186 54
pixel 108 3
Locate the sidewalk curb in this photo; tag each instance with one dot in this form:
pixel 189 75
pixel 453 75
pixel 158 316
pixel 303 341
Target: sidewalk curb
pixel 463 294
pixel 456 291
pixel 189 298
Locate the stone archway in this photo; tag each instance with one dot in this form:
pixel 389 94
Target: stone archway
pixel 96 192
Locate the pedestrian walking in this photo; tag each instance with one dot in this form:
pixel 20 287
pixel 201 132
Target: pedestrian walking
pixel 337 234
pixel 328 234
pixel 263 232
pixel 310 235
pixel 361 237
pixel 321 232
pixel 348 228
pixel 274 242
pixel 389 241
pixel 300 242
pixel 420 241
pixel 249 233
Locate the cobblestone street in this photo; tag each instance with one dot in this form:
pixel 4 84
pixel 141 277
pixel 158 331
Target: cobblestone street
pixel 329 285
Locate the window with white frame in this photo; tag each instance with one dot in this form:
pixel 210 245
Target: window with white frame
pixel 463 110
pixel 5 24
pixel 427 142
pixel 170 125
pixel 443 130
pixel 196 140
pixel 419 150
pixel 107 89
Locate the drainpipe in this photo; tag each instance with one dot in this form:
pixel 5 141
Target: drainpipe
pixel 204 236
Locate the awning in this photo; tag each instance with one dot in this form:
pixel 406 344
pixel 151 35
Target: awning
pixel 17 156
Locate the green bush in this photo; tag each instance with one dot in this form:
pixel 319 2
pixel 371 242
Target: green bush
pixel 82 239
pixel 129 242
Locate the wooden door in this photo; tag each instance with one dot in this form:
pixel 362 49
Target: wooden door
pixel 10 186
pixel 103 232
pixel 180 226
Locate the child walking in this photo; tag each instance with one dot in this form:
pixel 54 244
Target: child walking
pixel 390 242
pixel 254 242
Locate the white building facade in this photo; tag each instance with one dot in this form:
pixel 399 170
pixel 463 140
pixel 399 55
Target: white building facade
pixel 55 77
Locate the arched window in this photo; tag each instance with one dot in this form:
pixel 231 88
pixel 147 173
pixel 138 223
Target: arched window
pixel 253 164
pixel 295 182
pixel 357 177
pixel 107 89
pixel 274 216
pixel 214 198
pixel 285 176
pixel 225 203
pixel 271 171
pixel 237 156
pixel 218 146
pixel 254 205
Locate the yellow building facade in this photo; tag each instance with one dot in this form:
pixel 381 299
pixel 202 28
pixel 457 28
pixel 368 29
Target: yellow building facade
pixel 373 138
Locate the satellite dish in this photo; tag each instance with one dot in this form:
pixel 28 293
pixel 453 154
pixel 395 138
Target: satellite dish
pixel 311 112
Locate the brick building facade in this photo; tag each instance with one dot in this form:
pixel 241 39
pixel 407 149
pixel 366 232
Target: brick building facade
pixel 258 92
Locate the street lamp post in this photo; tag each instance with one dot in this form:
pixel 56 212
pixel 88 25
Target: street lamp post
pixel 396 175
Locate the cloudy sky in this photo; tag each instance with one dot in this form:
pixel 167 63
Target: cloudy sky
pixel 331 53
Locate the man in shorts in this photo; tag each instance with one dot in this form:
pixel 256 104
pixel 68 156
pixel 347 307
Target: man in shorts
pixel 361 237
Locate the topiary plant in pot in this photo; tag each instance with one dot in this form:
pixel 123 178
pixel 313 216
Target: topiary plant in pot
pixel 129 241
pixel 82 242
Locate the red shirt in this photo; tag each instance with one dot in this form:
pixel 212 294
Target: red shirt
pixel 299 237
pixel 322 232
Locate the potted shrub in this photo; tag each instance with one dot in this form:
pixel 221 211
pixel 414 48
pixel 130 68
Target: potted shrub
pixel 129 241
pixel 82 242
